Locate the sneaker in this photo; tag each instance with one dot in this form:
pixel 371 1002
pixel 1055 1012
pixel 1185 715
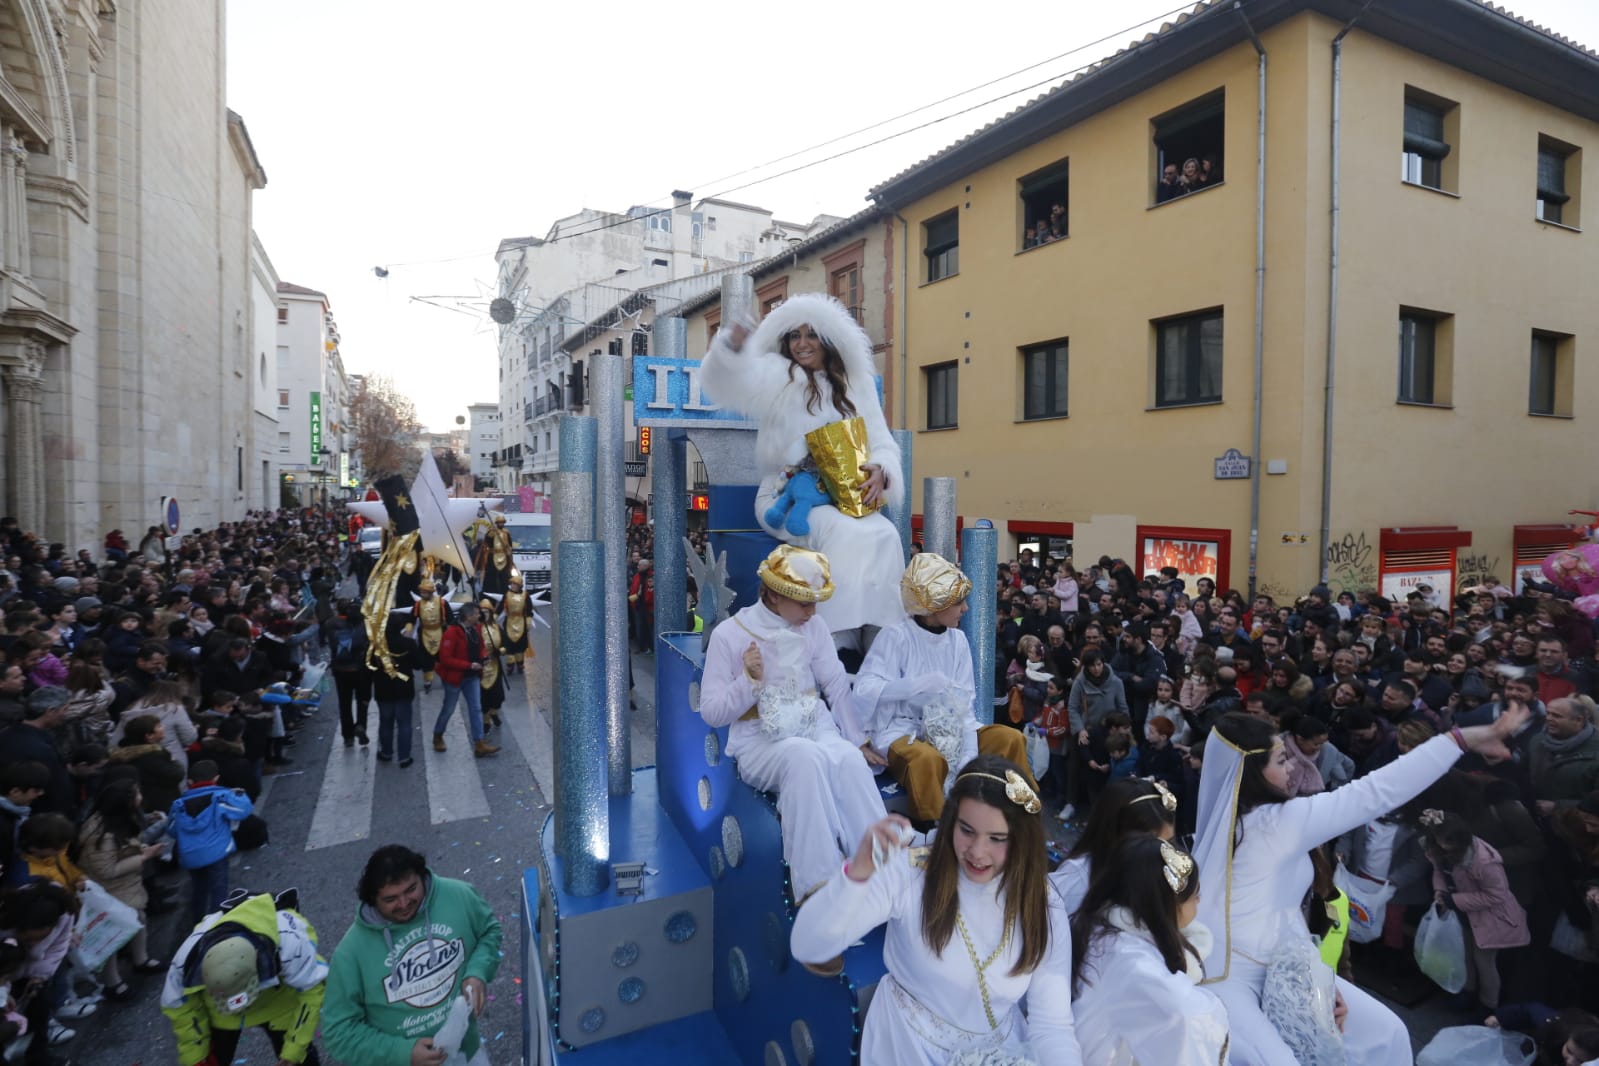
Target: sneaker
pixel 483 749
pixel 74 1007
pixel 60 1034
pixel 1066 813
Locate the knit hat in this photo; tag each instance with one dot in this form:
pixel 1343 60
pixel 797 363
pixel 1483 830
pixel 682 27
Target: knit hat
pixel 87 603
pixel 230 975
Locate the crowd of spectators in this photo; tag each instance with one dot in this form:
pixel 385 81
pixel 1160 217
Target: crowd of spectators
pixel 151 675
pixel 1126 675
pixel 1193 175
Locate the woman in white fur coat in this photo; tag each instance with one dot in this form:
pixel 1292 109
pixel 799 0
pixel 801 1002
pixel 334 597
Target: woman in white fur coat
pixel 809 364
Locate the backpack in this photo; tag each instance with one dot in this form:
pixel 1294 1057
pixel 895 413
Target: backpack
pixel 346 650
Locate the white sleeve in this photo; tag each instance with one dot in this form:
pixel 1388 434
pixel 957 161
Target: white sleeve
pixel 881 446
pixel 735 379
pixel 725 690
pixel 1311 821
pixel 833 681
pixel 1051 1028
pixel 882 667
pixel 842 911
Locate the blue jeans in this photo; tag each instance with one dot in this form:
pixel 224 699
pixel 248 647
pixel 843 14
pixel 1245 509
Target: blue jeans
pixel 394 724
pixel 208 887
pixel 472 689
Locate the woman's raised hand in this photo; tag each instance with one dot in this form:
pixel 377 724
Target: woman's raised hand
pixel 737 334
pixel 882 838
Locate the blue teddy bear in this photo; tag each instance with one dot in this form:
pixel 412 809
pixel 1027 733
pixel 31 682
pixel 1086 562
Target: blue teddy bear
pixel 794 504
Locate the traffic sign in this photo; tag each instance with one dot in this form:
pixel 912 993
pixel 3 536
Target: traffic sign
pixel 171 515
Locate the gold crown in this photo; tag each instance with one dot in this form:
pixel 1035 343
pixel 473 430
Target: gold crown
pixel 798 573
pixel 931 583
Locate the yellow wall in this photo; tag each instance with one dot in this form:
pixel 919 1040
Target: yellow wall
pixel 1126 263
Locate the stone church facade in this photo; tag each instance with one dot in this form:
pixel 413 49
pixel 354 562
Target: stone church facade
pixel 128 370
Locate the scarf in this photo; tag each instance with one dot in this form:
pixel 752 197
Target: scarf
pixel 1561 747
pixel 1123 920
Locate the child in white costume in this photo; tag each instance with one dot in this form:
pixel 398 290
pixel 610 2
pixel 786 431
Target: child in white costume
pixel 984 891
pixel 1252 846
pixel 1135 963
pixel 916 694
pixel 809 364
pixel 811 756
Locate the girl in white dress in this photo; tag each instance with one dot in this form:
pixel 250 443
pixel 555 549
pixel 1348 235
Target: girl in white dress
pixel 1125 808
pixel 809 364
pixel 1253 849
pixel 1136 952
pixel 969 933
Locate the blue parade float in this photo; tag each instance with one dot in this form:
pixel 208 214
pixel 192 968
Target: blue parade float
pixel 656 924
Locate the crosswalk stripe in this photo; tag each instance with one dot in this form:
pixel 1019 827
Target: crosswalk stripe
pixel 455 788
pixel 344 807
pixel 531 730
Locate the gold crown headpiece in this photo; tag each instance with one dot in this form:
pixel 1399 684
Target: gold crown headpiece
pixel 1162 793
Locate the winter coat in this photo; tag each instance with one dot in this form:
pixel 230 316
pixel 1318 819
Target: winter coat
pixel 160 777
pixel 386 688
pixel 118 867
pixel 1565 777
pixel 178 730
pixel 386 986
pixel 1090 701
pixel 287 953
pixel 455 658
pixel 1335 767
pixel 202 821
pixel 90 712
pixel 1479 890
pixel 235 769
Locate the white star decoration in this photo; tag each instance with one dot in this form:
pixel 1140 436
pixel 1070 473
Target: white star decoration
pixel 441 517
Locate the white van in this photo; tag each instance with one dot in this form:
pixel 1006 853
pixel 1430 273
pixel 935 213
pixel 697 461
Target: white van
pixel 530 548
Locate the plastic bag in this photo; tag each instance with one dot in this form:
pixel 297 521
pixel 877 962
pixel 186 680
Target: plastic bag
pixel 1368 903
pixel 1298 999
pixel 1037 751
pixel 1572 942
pixel 1375 848
pixel 1441 948
pixel 316 678
pixel 453 1032
pixel 104 925
pixel 1477 1045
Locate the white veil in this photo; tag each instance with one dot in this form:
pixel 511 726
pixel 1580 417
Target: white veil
pixel 1216 830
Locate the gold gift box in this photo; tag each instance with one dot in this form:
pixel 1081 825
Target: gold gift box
pixel 839 449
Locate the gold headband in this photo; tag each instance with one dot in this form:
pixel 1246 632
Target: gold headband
pixel 1161 793
pixel 1016 789
pixel 1177 867
pixel 1235 747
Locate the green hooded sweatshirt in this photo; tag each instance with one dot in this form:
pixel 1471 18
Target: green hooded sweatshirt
pixel 390 984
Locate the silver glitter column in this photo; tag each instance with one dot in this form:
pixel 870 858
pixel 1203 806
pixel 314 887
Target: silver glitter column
pixel 980 562
pixel 669 485
pixel 582 808
pixel 938 516
pixel 571 518
pixel 610 509
pixel 901 515
pixel 738 298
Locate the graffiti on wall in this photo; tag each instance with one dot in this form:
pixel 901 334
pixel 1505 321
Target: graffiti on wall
pixel 1471 569
pixel 1351 563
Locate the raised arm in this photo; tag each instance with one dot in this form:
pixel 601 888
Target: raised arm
pixel 850 905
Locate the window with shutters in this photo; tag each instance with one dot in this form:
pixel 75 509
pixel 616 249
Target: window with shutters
pixel 1427 156
pixel 941 245
pixel 1559 182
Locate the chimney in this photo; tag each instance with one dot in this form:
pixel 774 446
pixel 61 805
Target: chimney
pixel 681 198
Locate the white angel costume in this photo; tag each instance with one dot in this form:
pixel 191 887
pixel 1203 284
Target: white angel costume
pixel 760 382
pixel 826 795
pixel 929 1008
pixel 1253 891
pixel 1133 1011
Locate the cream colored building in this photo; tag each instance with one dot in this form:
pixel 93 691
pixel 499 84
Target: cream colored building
pixel 128 358
pixel 1425 409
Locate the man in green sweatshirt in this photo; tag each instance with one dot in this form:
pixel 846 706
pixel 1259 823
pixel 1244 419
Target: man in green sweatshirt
pixel 418 942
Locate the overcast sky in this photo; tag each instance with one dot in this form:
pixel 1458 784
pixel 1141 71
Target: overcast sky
pixel 415 135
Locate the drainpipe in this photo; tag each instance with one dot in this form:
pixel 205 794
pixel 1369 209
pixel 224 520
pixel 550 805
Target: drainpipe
pixel 1260 293
pixel 1332 286
pixel 904 321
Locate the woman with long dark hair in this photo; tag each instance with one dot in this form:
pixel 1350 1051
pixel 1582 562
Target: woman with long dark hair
pixel 1126 808
pixel 1253 849
pixel 112 852
pixel 1136 963
pixel 809 365
pixel 978 915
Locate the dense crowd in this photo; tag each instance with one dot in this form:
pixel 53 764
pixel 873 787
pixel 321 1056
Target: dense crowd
pixel 1126 677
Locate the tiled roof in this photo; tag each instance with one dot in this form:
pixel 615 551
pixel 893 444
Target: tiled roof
pixel 290 289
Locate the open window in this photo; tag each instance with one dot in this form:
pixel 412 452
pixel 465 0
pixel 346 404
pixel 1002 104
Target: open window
pixel 1559 182
pixel 1189 143
pixel 941 245
pixel 1044 205
pixel 1432 125
pixel 1426 357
